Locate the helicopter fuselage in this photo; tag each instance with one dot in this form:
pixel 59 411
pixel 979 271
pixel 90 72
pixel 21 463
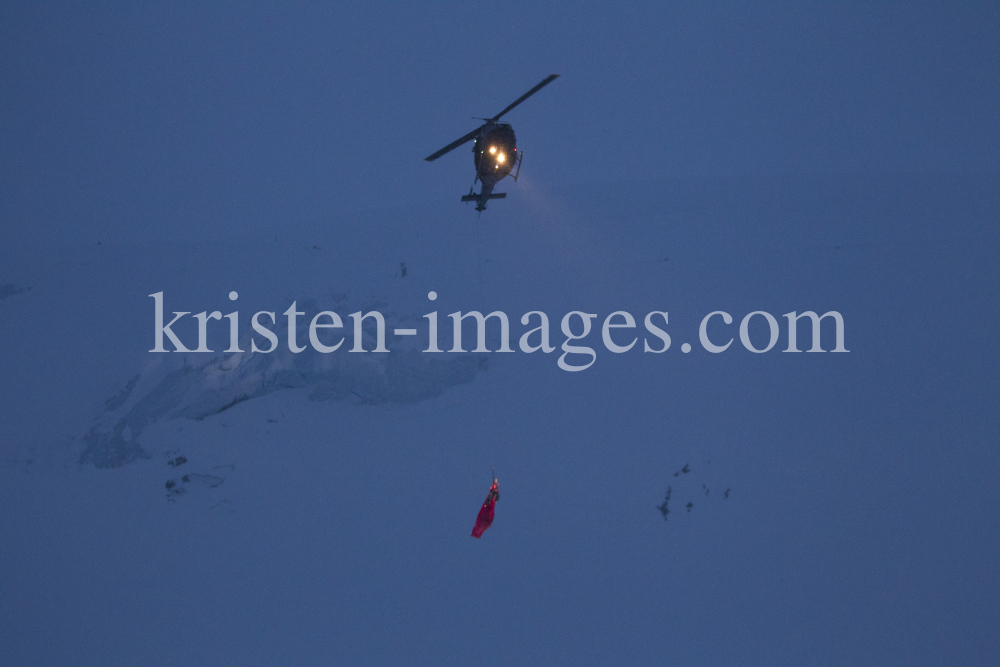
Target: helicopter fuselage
pixel 494 152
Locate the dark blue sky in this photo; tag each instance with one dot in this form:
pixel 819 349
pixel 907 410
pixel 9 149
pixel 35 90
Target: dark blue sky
pixel 249 117
pixel 691 158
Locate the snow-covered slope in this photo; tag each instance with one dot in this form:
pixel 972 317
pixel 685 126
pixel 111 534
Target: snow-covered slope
pixel 301 508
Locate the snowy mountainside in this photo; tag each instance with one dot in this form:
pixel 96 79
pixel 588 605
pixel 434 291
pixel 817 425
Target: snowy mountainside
pixel 191 386
pixel 337 513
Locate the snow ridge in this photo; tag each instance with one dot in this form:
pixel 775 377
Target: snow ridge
pixel 193 387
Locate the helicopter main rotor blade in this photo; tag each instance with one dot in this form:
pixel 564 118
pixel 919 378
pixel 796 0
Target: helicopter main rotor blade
pixel 453 145
pixel 549 79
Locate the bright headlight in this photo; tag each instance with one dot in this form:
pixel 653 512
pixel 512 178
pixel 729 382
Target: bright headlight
pixel 493 149
pixel 501 157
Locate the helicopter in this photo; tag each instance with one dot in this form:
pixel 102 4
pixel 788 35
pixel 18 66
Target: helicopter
pixel 494 152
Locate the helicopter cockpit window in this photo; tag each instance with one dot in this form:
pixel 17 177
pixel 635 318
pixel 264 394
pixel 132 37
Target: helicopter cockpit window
pixel 496 152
